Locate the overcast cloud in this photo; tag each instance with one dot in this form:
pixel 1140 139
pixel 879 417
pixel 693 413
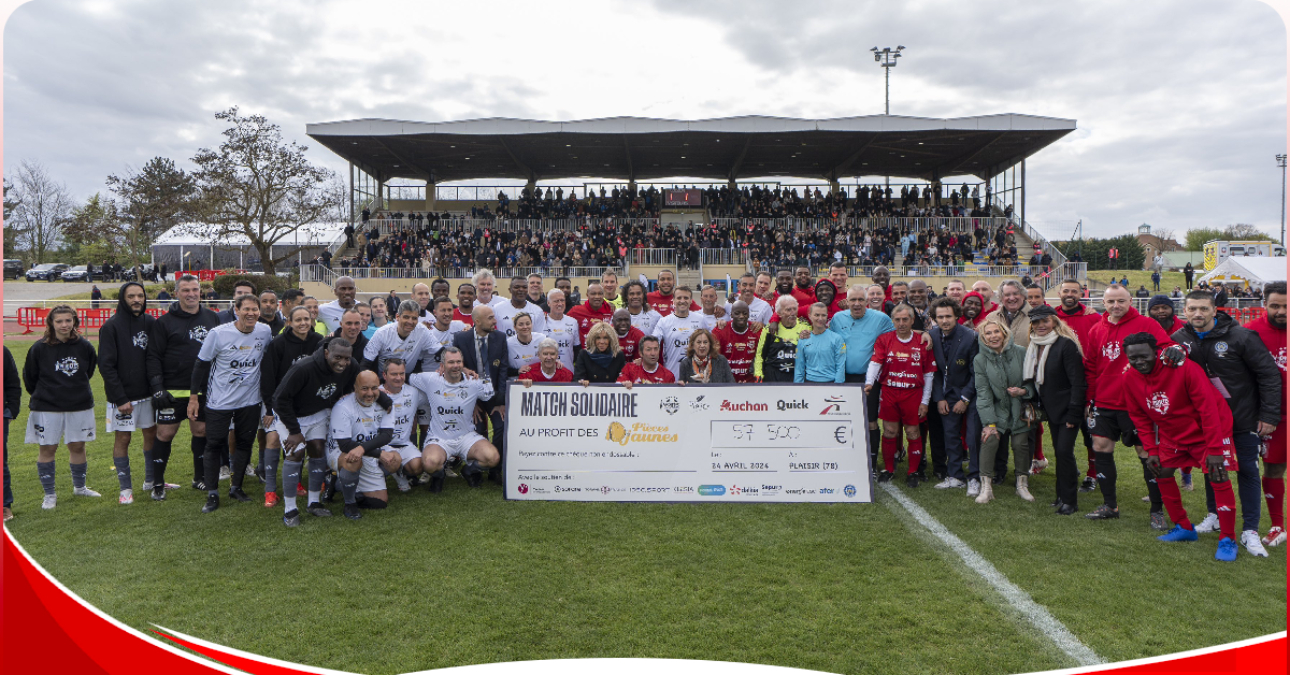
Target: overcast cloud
pixel 1181 104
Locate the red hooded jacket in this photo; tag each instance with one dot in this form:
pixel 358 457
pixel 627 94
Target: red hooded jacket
pixel 1275 340
pixel 1081 321
pixel 1104 360
pixel 1177 408
pixel 587 317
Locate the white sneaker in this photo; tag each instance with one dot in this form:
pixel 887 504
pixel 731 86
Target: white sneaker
pixel 1276 537
pixel 1250 540
pixel 127 497
pixel 50 502
pixel 85 492
pixel 250 471
pixel 404 485
pixel 949 484
pixel 1209 524
pixel 1038 465
pixel 225 473
pixel 974 487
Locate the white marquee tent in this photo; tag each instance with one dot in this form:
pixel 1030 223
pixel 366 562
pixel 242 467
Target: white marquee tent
pixel 1256 271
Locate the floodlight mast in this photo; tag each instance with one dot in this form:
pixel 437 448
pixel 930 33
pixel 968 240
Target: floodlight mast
pixel 886 57
pixel 1281 162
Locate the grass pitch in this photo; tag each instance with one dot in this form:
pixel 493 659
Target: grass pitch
pixel 465 577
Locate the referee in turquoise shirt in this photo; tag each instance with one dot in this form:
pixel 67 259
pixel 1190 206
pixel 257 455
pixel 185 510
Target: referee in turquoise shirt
pixel 860 327
pixel 822 355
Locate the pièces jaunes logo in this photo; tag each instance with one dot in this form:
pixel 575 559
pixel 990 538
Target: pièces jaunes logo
pixel 639 433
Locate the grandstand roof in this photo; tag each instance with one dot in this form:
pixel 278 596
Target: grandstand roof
pixel 726 148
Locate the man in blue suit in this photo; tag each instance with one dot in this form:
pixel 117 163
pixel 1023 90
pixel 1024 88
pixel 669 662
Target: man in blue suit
pixel 954 393
pixel 483 350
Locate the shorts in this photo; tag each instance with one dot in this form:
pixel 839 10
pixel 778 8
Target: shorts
pixel 179 413
pixel 900 405
pixel 456 448
pixel 314 427
pixel 141 417
pixel 48 428
pixel 406 452
pixel 1181 458
pixel 1277 445
pixel 1113 424
pixel 370 477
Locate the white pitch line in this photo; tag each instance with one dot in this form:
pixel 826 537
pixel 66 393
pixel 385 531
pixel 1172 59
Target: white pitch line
pixel 1034 612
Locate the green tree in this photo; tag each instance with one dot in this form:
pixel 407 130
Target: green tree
pixel 258 187
pixel 91 235
pixel 149 202
pixel 1197 237
pixel 1094 252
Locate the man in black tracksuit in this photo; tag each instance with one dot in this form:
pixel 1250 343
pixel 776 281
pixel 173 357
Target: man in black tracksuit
pixel 123 350
pixel 173 344
pixel 307 394
pixel 1247 376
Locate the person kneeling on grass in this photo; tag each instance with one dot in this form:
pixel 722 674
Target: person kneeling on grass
pixel 359 429
pixel 451 398
pixel 1182 421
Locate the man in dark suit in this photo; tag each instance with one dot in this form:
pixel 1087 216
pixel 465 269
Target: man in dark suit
pixel 954 394
pixel 483 350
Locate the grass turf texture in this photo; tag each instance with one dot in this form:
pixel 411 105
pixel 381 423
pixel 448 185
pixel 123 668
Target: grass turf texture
pixel 465 577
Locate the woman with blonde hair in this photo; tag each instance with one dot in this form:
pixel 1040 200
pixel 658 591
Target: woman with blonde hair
pixel 1054 369
pixel 703 362
pixel 602 359
pixel 1001 390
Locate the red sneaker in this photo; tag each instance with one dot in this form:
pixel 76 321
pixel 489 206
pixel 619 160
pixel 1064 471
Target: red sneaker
pixel 270 500
pixel 300 490
pixel 1276 537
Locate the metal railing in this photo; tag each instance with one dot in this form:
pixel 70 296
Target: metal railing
pixel 724 256
pixel 318 273
pixel 665 257
pixel 328 276
pixel 388 226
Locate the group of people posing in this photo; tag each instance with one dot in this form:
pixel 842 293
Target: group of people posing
pixel 414 392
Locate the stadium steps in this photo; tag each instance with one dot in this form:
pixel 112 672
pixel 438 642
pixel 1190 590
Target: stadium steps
pixel 690 278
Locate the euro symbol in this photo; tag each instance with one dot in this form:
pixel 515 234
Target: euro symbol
pixel 840 434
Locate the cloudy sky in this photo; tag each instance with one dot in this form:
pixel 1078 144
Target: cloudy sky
pixel 1181 104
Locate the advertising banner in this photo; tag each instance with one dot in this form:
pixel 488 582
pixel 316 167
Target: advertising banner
pixel 702 443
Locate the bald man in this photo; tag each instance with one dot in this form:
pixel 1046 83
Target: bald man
pixel 330 314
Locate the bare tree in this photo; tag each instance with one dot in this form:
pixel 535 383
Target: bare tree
pixel 42 211
pixel 258 187
pixel 1167 236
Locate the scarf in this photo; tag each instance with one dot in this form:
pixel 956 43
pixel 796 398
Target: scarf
pixel 601 359
pixel 1037 356
pixel 702 369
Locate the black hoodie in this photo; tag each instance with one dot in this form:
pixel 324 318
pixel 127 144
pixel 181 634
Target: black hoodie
pixel 1236 357
pixel 123 352
pixel 58 375
pixel 173 344
pixel 283 352
pixel 311 386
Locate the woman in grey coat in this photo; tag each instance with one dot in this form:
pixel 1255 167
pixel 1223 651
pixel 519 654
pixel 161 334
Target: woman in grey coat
pixel 1000 390
pixel 703 362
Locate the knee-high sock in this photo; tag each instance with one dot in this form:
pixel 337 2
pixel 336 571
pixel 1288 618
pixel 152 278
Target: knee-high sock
pixel 241 458
pixel 198 445
pixel 271 456
pixel 348 481
pixel 922 451
pixel 147 464
pixel 875 442
pixel 290 479
pixel 1226 500
pixel 889 450
pixel 1210 506
pixel 45 470
pixel 317 471
pixel 1038 446
pixel 1172 498
pixel 915 454
pixel 1106 478
pixel 210 469
pixel 1092 464
pixel 160 458
pixel 1274 491
pixel 78 474
pixel 1153 488
pixel 122 465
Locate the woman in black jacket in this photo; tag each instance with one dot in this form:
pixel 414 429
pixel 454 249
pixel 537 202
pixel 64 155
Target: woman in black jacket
pixel 297 341
pixel 602 360
pixel 1055 364
pixel 703 362
pixel 57 375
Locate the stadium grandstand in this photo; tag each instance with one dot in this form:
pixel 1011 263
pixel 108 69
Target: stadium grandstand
pixel 760 194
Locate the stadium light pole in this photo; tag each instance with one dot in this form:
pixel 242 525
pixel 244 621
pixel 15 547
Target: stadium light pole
pixel 1281 162
pixel 886 57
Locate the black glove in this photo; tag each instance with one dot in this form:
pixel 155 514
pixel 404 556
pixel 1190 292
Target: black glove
pixel 162 399
pixel 1173 356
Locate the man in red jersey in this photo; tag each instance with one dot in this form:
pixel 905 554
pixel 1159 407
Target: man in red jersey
pixel 1271 328
pixel 647 370
pixel 661 300
pixel 1081 319
pixel 904 367
pixel 465 304
pixel 739 341
pixel 1183 422
pixel 591 312
pixel 628 335
pixel 803 287
pixel 548 368
pixel 1104 366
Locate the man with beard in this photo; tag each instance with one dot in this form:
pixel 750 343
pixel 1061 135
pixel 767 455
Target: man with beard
pixel 881 278
pixel 269 314
pixel 1271 328
pixel 1081 319
pixel 987 296
pixel 628 335
pixel 589 313
pixel 465 309
pixel 739 340
pixel 1161 308
pixel 783 285
pixel 803 290
pixel 661 300
pixel 954 393
pixel 643 317
pixel 123 353
pixel 973 310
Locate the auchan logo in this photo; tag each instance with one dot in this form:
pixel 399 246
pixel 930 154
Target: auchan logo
pixel 727 406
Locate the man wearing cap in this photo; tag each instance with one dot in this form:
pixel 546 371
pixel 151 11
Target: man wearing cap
pixel 1161 308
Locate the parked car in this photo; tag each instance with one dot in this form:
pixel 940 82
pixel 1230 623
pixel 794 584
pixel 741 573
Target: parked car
pixel 13 268
pixel 149 272
pixel 47 271
pixel 77 273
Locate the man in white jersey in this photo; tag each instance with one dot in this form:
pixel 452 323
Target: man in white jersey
pixel 331 313
pixel 522 347
pixel 643 316
pixel 712 310
pixel 401 458
pixel 759 311
pixel 227 372
pixel 404 338
pixel 359 429
pixel 484 282
pixel 451 397
pixel 561 328
pixel 441 332
pixel 518 303
pixel 674 331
